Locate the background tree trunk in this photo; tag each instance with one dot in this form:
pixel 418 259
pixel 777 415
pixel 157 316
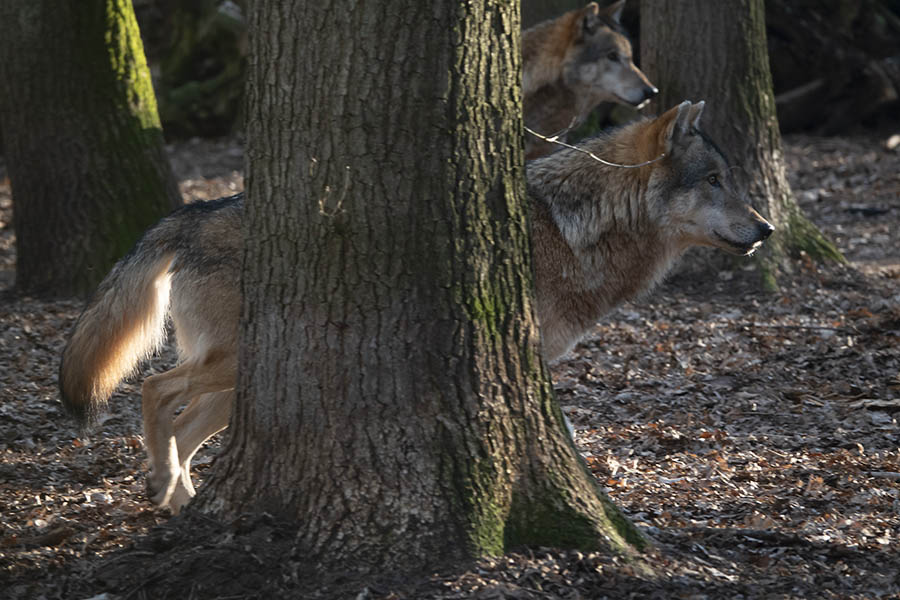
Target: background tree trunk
pixel 535 11
pixel 82 141
pixel 698 50
pixel 196 51
pixel 835 63
pixel 391 398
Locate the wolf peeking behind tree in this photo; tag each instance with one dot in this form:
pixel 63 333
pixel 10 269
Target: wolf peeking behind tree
pixel 571 64
pixel 601 235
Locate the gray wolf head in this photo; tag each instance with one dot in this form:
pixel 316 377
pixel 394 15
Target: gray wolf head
pixel 599 63
pixel 685 195
pixel 698 198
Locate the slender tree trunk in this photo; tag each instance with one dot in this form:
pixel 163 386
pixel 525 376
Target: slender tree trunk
pixel 82 140
pixel 716 51
pixel 392 400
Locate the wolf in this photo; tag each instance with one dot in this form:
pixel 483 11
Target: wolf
pixel 571 64
pixel 601 234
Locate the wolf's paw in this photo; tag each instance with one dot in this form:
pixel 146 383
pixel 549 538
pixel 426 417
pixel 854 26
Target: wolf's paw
pixel 180 497
pixel 161 487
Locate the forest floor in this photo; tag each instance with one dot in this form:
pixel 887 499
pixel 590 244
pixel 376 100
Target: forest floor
pixel 753 436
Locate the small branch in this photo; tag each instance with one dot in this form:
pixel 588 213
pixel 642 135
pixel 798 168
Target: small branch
pixel 808 327
pixel 554 139
pixel 766 535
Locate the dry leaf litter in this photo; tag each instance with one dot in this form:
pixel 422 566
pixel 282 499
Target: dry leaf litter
pixel 754 437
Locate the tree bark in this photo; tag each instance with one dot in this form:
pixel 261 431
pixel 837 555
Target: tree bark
pixel 698 50
pixel 391 397
pixel 82 140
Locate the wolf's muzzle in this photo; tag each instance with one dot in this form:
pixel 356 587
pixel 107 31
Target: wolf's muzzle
pixel 765 230
pixel 647 92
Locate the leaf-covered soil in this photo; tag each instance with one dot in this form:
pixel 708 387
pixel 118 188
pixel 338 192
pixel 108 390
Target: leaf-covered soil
pixel 754 437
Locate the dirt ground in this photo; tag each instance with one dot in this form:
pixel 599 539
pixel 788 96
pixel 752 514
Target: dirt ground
pixel 754 437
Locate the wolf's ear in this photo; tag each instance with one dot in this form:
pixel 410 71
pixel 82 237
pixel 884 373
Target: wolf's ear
pixel 614 11
pixel 694 115
pixel 678 123
pixel 590 20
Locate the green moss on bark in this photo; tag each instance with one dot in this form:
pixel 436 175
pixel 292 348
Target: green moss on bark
pixel 82 140
pixel 806 237
pixel 546 515
pixel 129 65
pixel 550 518
pixel 489 506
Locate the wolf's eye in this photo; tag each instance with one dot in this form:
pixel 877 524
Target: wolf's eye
pixel 713 180
pixel 613 56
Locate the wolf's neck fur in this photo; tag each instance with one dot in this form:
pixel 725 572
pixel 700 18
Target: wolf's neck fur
pixel 548 111
pixel 595 246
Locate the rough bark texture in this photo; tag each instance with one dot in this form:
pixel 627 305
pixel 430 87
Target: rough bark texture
pixel 82 140
pixel 391 396
pixel 698 50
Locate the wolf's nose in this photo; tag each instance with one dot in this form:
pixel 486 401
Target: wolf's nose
pixel 765 230
pixel 649 92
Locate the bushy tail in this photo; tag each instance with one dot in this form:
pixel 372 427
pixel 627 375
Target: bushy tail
pixel 121 325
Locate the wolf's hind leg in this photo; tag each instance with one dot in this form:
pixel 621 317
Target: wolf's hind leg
pixel 162 394
pixel 204 417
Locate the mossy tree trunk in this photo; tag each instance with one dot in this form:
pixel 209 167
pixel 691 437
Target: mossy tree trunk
pixel 82 140
pixel 391 397
pixel 716 51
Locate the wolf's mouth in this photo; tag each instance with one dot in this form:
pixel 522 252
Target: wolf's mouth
pixel 738 248
pixel 636 105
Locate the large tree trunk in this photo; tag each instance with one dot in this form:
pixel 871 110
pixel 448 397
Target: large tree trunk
pixel 82 140
pixel 391 399
pixel 716 51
